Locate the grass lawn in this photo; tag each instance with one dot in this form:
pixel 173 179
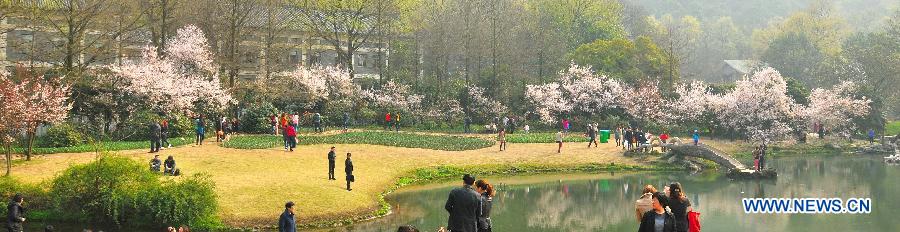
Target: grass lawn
pixel 394 139
pixel 252 185
pixel 107 145
pixel 546 137
pixel 892 128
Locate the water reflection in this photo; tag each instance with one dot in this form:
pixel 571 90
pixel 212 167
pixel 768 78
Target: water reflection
pixel 606 202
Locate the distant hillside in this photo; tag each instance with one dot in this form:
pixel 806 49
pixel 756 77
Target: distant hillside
pixel 748 14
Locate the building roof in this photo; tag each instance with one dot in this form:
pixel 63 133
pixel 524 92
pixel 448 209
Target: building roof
pixel 743 66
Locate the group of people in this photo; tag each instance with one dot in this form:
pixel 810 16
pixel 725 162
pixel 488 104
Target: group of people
pixel 348 167
pixel 470 206
pixel 392 121
pixel 169 165
pixel 279 124
pixel 667 211
pixel 226 127
pixel 159 135
pixel 759 157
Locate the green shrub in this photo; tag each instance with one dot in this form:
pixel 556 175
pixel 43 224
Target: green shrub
pixel 63 135
pixel 102 191
pixel 256 118
pixel 35 197
pixel 180 126
pixel 119 190
pixel 186 202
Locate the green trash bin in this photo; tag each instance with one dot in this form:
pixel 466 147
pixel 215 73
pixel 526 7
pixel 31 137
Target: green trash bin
pixel 604 136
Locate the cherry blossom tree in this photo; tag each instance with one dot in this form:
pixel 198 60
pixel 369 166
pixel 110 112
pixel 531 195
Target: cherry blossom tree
pixel 690 103
pixel 28 104
pixel 482 105
pixel 179 80
pixel 645 103
pixel 836 107
pixel 394 96
pixel 577 90
pixel 322 82
pixel 759 107
pixel 11 105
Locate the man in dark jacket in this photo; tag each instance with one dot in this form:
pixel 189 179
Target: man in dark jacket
pixel 658 215
pixel 15 214
pixel 286 223
pixel 155 132
pixel 463 204
pixel 331 157
pixel 628 136
pixel 348 168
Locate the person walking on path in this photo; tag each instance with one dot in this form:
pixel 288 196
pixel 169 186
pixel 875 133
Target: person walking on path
pixel 696 137
pixel 287 222
pixel 501 138
pixel 200 129
pixel 387 120
pixel 464 206
pixel 348 169
pixel 592 135
pixel 487 196
pixel 559 140
pixel 756 158
pixel 680 206
pixel 15 214
pixel 346 121
pixel 658 220
pixel 331 157
pixel 155 133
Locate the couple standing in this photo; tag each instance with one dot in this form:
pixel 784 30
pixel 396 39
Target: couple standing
pixel 470 207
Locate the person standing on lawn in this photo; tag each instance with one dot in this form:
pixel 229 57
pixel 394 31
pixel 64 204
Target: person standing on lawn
pixel 155 132
pixel 696 137
pixel 200 129
pixel 617 134
pixel 592 135
pixel 274 123
pixel 387 120
pixel 287 223
pixel 290 138
pixel 164 134
pixel 501 138
pixel 295 119
pixel 346 121
pixel 348 169
pixel 397 121
pixel 559 140
pixel 317 121
pixel 331 157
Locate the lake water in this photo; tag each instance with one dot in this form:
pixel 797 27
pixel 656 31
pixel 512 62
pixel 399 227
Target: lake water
pixel 605 202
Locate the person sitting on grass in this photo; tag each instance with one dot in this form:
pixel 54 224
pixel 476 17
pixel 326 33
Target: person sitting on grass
pixel 170 166
pixel 155 163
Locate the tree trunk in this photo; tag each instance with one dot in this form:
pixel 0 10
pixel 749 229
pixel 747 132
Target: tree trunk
pixel 31 134
pixel 8 158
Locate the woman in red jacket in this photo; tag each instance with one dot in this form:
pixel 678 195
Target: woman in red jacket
pixel 290 138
